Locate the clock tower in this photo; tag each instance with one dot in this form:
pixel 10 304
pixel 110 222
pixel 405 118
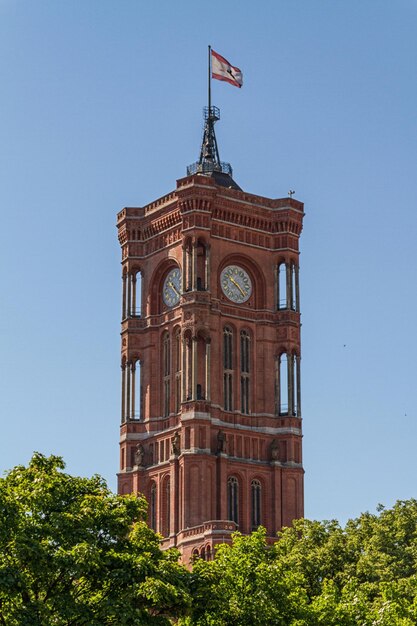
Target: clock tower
pixel 211 401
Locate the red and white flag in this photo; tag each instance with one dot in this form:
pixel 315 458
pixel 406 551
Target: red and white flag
pixel 223 70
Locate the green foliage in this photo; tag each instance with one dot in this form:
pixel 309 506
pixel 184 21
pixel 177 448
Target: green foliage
pixel 316 574
pixel 72 553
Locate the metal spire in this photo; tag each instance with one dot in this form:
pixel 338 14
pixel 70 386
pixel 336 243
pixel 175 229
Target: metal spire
pixel 209 160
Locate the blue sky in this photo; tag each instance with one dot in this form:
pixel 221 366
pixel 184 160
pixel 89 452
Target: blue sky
pixel 101 108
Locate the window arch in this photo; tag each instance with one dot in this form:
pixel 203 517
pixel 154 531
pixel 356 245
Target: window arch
pixel 245 370
pixel 233 499
pixel 228 368
pixel 256 504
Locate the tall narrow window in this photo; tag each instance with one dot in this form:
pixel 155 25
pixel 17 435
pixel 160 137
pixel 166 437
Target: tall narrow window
pixel 137 390
pixel 166 368
pixel 283 390
pixel 137 294
pixel 177 366
pixel 293 289
pixel 282 286
pixel 244 371
pixel 294 385
pixel 152 506
pixel 233 499
pixel 167 508
pixel 228 368
pixel 256 502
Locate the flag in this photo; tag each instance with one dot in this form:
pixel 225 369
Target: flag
pixel 223 70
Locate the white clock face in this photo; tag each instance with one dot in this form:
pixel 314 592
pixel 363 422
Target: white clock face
pixel 171 291
pixel 236 284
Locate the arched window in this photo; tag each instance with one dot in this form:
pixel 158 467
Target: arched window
pixel 167 521
pixel 137 294
pixel 132 294
pixel 131 390
pixel 137 390
pixel 233 499
pixel 282 286
pixel 177 367
pixel 256 503
pixel 152 506
pixel 283 394
pixel 244 371
pixel 287 286
pixel 166 370
pixel 228 368
pixel 287 381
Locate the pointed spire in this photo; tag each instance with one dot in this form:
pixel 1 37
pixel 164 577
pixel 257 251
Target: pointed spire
pixel 209 153
pixel 209 162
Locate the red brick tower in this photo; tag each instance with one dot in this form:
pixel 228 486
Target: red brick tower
pixel 211 405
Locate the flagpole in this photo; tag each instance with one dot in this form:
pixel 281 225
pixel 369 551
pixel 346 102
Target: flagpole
pixel 209 79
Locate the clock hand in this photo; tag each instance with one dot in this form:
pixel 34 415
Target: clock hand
pixel 174 288
pixel 238 286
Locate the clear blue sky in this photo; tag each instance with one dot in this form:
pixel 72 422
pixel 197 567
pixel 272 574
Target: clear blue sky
pixel 101 108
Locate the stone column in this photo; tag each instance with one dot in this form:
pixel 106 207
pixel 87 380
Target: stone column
pixel 289 382
pixel 298 366
pixel 194 365
pixel 133 312
pixel 277 385
pixel 128 377
pixel 123 393
pixel 194 266
pixel 123 296
pixel 184 270
pixel 297 288
pixel 208 380
pixel 133 383
pixel 207 268
pixel 276 498
pixel 288 285
pixel 222 494
pixel 129 295
pixel 189 269
pixel 294 383
pixel 174 494
pixel 276 287
pixel 184 370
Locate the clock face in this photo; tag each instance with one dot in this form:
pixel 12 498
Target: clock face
pixel 236 284
pixel 171 290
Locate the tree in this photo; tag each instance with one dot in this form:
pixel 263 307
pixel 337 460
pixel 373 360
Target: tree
pixel 246 586
pixel 74 554
pixel 316 574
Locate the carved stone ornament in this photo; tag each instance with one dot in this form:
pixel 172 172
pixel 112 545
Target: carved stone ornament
pixel 274 450
pixel 175 444
pixel 140 455
pixel 221 442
